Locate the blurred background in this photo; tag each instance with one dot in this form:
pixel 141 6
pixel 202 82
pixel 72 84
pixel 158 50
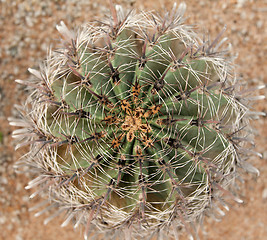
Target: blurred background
pixel 27 29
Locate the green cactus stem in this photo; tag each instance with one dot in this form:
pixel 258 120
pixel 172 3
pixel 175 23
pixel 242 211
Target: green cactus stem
pixel 135 126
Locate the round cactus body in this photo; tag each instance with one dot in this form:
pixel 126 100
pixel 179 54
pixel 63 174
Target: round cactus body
pixel 135 126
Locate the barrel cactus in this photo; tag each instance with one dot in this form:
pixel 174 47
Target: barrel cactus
pixel 136 127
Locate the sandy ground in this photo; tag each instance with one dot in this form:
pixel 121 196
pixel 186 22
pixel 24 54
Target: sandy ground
pixel 27 28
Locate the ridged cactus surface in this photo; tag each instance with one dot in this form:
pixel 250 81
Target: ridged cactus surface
pixel 135 126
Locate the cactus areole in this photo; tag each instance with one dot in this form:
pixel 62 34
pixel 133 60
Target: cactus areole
pixel 135 126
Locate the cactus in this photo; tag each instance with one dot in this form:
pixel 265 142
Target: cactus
pixel 136 126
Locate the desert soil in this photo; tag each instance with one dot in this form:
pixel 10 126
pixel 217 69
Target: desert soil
pixel 27 29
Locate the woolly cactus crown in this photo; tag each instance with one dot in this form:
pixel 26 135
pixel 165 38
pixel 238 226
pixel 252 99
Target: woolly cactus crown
pixel 135 126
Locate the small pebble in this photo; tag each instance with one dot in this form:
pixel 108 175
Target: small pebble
pixel 264 194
